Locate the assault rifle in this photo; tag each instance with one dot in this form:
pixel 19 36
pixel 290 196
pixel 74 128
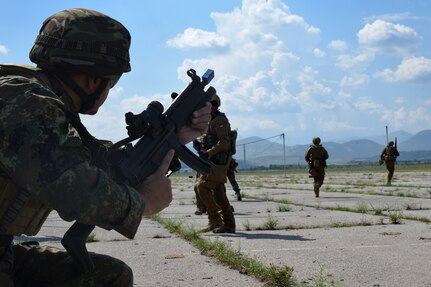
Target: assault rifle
pixel 157 133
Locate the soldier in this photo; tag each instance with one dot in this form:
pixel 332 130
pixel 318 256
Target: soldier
pixel 47 159
pixel 389 155
pixel 211 188
pixel 231 176
pixel 316 157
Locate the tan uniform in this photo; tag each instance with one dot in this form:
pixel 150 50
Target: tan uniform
pixel 389 155
pixel 316 157
pixel 211 188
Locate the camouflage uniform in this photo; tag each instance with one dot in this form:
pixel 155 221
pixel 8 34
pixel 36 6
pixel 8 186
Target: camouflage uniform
pixel 211 188
pixel 44 165
pixel 316 157
pixel 389 155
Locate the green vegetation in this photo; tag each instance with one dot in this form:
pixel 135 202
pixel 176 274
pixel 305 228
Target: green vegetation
pixel 270 224
pixel 395 217
pixel 283 208
pixel 247 225
pixel 92 237
pixel 277 276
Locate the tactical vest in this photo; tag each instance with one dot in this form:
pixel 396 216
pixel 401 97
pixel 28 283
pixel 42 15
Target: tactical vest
pixel 20 211
pixel 211 139
pixel 391 153
pixel 317 156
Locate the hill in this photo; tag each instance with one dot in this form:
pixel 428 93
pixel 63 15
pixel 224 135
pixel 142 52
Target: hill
pixel 255 151
pixel 418 142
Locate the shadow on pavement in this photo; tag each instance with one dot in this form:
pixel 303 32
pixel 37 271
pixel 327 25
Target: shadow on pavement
pixel 260 235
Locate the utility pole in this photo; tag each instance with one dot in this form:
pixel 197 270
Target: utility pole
pixel 387 135
pixel 284 155
pixel 244 155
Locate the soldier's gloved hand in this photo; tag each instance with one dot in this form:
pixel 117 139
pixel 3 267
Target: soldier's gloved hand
pixel 204 155
pixel 198 126
pixel 156 190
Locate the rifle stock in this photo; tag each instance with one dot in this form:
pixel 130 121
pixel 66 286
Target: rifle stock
pixel 156 131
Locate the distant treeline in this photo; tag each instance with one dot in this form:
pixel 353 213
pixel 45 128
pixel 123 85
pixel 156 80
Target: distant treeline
pixel 349 164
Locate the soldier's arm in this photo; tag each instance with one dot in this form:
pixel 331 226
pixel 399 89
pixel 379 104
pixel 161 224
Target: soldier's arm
pixel 383 154
pixel 49 163
pixel 307 155
pixel 325 154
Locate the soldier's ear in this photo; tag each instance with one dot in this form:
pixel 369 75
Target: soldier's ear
pixel 87 82
pixel 92 83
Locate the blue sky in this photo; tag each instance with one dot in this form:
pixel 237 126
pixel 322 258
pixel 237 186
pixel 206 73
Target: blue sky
pixel 335 69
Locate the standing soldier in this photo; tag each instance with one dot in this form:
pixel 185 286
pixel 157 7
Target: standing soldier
pixel 389 155
pixel 211 188
pixel 316 157
pixel 231 176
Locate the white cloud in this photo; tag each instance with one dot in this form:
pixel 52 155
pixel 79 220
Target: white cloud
pixel 334 125
pixel 338 45
pixel 419 115
pixel 408 118
pixel 106 124
pixel 343 94
pixel 395 118
pixel 318 53
pixel 258 70
pixel 395 17
pixel 116 92
pixel 399 100
pixel 269 70
pixel 3 50
pixel 255 14
pixel 346 62
pixel 382 36
pixel 366 104
pixel 416 69
pixel 135 103
pixel 197 38
pixel 354 80
pixel 252 123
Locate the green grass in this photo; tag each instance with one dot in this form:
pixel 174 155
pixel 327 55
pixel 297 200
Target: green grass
pixel 270 224
pixel 272 275
pixel 284 208
pixel 92 237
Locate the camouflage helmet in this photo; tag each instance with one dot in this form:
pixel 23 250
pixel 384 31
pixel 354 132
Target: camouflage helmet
pixel 216 99
pixel 82 40
pixel 390 143
pixel 316 140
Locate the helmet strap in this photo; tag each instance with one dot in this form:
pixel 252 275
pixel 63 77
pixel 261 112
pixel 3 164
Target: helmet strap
pixel 87 100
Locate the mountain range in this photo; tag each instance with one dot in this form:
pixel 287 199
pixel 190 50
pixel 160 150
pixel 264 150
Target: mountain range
pixel 255 151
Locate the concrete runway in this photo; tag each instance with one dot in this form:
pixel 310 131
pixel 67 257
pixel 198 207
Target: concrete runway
pixel 347 235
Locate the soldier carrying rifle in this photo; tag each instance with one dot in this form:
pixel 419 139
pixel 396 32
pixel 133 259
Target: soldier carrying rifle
pixel 389 156
pixel 316 157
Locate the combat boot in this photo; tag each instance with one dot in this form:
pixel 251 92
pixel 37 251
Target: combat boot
pixel 214 220
pixel 212 227
pixel 316 190
pixel 228 223
pixel 238 195
pixel 200 210
pixel 224 229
